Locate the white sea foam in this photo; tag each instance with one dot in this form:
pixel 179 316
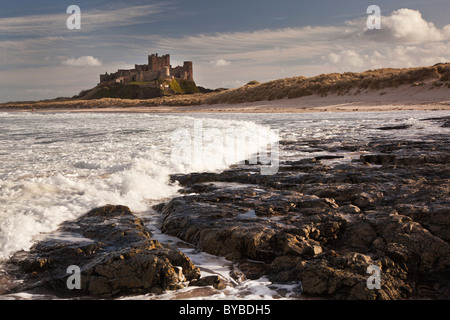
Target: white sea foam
pixel 55 167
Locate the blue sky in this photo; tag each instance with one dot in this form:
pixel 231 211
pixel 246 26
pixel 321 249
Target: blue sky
pixel 230 42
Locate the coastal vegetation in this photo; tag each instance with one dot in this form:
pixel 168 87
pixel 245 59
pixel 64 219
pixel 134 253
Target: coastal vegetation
pixel 185 93
pixel 348 83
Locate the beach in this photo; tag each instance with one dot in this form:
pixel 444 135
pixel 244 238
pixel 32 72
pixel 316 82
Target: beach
pixel 406 97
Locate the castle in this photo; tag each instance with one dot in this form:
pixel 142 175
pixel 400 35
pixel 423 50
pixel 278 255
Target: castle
pixel 158 68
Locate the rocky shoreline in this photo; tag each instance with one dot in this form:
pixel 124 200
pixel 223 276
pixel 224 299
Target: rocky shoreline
pixel 317 222
pixel 325 225
pixel 115 253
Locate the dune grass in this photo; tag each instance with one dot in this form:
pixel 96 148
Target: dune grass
pixel 334 83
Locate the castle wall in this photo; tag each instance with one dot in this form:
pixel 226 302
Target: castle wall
pixel 157 68
pixel 178 72
pixel 105 77
pixel 142 67
pixel 184 72
pixel 150 75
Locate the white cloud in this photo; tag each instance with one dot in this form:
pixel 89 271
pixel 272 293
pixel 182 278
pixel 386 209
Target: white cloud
pixel 351 58
pixel 220 63
pixel 405 40
pixel 85 61
pixel 407 26
pixel 399 56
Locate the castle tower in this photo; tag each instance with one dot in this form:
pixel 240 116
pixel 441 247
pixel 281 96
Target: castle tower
pixel 158 63
pixel 187 66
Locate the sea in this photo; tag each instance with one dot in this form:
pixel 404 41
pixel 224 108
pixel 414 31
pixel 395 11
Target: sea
pixel 55 167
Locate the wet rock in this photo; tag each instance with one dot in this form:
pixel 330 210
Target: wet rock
pixel 440 216
pixel 444 121
pixel 345 277
pixel 114 252
pixel 380 159
pixel 217 282
pixel 399 127
pixel 432 252
pixel 349 209
pixel 366 200
pixel 237 276
pixel 318 158
pixel 247 227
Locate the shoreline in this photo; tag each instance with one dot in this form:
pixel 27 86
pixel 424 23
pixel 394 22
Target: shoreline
pixel 261 107
pixel 399 99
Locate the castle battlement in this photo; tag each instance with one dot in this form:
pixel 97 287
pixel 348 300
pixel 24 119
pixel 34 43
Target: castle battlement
pixel 158 68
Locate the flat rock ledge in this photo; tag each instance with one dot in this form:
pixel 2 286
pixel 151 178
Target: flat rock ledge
pixel 115 253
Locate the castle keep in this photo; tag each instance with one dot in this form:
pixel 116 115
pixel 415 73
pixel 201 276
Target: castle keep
pixel 158 68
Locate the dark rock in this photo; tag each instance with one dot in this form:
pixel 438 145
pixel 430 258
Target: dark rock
pixel 399 127
pixel 380 159
pixel 237 276
pixel 318 158
pixel 217 282
pixel 114 252
pixel 444 121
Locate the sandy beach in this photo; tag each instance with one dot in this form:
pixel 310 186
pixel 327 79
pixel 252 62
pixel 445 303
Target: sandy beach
pixel 278 107
pixel 393 99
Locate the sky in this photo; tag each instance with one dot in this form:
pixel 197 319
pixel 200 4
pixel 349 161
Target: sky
pixel 230 42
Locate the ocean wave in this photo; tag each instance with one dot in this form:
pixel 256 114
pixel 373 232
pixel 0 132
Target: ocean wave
pixel 130 164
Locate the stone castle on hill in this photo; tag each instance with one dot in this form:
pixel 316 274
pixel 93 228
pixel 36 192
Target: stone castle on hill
pixel 158 68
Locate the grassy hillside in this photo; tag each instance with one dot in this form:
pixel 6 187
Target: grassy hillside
pixel 140 90
pixel 120 91
pixel 348 83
